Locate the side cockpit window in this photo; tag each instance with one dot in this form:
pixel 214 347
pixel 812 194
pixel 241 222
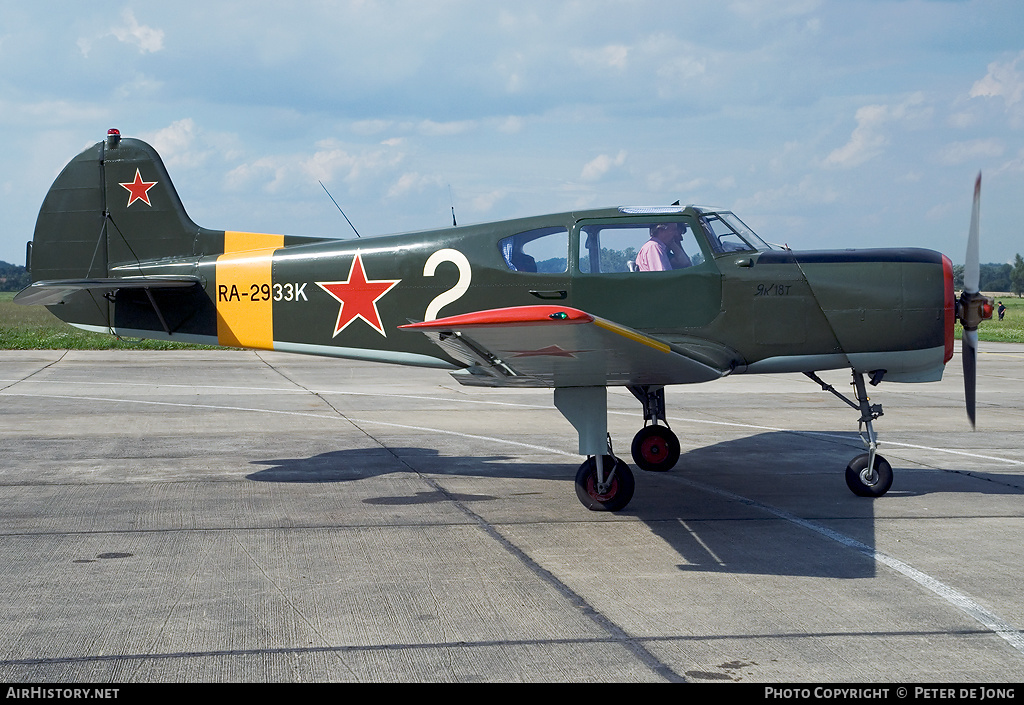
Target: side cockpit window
pixel 544 250
pixel 637 247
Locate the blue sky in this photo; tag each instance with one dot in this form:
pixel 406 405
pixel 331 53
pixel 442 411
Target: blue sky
pixel 859 123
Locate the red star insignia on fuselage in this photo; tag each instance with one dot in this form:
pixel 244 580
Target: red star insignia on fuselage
pixel 549 351
pixel 358 297
pixel 138 190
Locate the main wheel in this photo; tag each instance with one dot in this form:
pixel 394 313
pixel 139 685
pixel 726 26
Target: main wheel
pixel 864 483
pixel 613 497
pixel 655 448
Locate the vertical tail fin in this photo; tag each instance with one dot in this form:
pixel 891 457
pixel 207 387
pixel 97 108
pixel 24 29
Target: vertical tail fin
pixel 111 213
pixel 115 249
pixel 112 206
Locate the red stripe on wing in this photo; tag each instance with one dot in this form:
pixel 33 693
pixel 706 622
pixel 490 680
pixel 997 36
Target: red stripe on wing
pixel 513 316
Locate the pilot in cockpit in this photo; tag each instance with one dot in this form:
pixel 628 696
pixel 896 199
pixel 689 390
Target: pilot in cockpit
pixel 664 251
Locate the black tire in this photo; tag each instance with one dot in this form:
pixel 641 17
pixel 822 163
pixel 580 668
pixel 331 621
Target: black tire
pixel 859 486
pixel 655 449
pixel 619 492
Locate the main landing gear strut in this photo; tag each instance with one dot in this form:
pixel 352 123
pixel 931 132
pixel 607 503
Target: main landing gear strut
pixel 869 474
pixel 604 482
pixel 655 448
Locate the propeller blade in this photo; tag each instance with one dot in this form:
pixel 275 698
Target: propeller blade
pixel 969 353
pixel 972 266
pixel 972 306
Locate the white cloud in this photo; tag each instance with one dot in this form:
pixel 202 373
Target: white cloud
pixel 761 10
pixel 139 85
pixel 324 163
pixel 681 68
pixel 413 182
pixel 971 151
pixel 1004 80
pixel 177 144
pixel 674 62
pixel 359 167
pixel 444 129
pixel 34 115
pixel 145 38
pixel 511 125
pixel 370 127
pixel 601 165
pixel 866 141
pixel 485 202
pixel 809 191
pixel 510 71
pixel 962 119
pixel 1014 165
pixel 869 139
pixel 612 56
pixel 266 169
pixel 743 89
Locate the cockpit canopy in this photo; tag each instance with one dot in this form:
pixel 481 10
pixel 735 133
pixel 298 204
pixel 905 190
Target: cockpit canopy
pixel 607 243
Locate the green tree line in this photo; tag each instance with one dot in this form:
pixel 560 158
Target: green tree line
pixel 996 277
pixel 13 277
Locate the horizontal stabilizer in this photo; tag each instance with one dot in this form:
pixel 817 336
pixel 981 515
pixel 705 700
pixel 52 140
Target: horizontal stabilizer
pixel 48 293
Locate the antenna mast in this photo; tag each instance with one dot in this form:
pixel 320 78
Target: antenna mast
pixel 339 208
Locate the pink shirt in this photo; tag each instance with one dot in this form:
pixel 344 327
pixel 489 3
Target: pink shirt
pixel 653 257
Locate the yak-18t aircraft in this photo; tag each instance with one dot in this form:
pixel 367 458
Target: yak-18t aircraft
pixel 642 297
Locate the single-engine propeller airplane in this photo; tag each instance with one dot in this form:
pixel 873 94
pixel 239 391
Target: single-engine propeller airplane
pixel 642 297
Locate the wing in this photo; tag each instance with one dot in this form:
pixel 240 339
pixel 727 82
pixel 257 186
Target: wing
pixel 551 346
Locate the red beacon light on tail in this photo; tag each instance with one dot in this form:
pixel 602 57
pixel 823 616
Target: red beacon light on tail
pixel 113 137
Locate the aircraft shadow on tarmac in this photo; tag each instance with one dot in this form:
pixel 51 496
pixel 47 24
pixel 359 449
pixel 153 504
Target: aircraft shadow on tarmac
pixel 710 532
pixel 815 461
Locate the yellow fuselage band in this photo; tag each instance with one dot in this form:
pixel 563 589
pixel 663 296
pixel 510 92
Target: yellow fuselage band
pixel 245 306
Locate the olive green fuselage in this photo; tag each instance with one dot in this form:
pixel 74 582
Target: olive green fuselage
pixel 736 310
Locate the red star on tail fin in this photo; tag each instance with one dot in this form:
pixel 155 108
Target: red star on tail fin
pixel 138 189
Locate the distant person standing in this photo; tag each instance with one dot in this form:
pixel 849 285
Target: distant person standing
pixel 1002 310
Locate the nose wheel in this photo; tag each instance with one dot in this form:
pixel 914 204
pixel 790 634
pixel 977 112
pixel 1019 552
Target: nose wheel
pixel 865 482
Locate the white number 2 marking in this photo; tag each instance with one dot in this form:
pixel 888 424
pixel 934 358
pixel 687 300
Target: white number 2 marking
pixel 461 286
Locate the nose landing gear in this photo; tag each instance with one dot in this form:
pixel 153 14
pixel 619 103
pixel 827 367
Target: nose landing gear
pixel 867 481
pixel 869 474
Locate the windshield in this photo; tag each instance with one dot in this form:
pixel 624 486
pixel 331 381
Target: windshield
pixel 727 233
